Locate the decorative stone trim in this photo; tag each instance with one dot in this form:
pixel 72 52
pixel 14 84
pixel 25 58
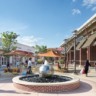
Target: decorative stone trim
pixel 46 87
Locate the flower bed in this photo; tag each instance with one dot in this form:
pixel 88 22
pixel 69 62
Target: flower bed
pixel 12 70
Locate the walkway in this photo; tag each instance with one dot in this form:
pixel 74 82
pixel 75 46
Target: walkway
pixel 87 87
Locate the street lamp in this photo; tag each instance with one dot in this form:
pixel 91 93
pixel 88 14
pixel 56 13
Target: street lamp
pixel 74 33
pixel 65 51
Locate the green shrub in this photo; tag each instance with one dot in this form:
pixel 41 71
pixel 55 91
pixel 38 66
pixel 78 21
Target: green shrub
pixel 61 61
pixel 5 70
pixel 39 61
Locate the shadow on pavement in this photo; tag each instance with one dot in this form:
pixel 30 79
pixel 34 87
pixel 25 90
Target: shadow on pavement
pixel 72 71
pixel 91 76
pixel 5 80
pixel 11 91
pixel 84 87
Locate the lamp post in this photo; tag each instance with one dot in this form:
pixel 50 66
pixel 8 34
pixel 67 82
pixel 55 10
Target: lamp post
pixel 74 33
pixel 65 40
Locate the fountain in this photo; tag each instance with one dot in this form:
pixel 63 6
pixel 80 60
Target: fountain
pixel 46 81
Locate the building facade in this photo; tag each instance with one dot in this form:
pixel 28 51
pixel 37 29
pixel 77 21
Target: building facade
pixel 20 47
pixel 85 43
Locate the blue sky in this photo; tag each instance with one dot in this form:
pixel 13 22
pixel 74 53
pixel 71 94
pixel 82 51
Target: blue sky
pixel 44 22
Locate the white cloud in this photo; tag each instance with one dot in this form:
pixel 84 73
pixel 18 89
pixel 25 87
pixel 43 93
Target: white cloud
pixel 20 29
pixel 12 26
pixel 76 11
pixel 74 0
pixel 89 3
pixel 29 40
pixel 94 9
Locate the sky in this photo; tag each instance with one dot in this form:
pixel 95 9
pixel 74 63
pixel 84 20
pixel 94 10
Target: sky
pixel 44 22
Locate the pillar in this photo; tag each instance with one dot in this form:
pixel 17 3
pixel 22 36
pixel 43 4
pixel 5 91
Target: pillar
pixel 70 56
pixel 88 53
pixel 80 60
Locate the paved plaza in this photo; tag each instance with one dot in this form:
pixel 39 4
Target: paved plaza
pixel 87 86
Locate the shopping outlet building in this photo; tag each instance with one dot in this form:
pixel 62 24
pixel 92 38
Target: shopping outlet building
pixel 85 43
pixel 14 58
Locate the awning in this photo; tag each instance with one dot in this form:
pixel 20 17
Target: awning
pixel 20 53
pixel 80 44
pixel 50 53
pixel 89 41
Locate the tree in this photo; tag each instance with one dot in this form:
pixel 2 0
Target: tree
pixel 8 41
pixel 40 49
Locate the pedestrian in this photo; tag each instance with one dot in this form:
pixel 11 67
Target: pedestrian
pixel 59 67
pixel 86 67
pixel 8 65
pixel 17 64
pixel 26 62
pixel 29 65
pixel 35 61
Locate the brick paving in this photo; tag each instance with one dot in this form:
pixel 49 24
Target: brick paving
pixel 87 86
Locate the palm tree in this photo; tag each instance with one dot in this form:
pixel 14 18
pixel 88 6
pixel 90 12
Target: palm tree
pixel 40 49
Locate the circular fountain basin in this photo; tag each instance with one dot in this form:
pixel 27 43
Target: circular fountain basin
pixel 46 87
